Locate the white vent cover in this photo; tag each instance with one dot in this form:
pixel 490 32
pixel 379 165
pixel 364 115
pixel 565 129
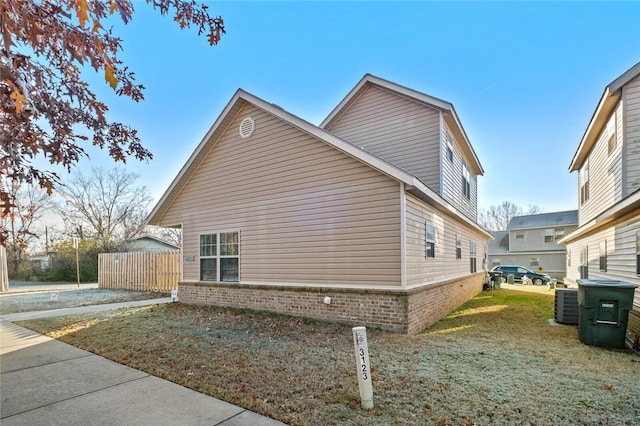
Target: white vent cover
pixel 247 127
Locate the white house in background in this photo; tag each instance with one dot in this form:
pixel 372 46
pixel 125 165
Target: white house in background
pixel 532 241
pixel 606 244
pixel 147 243
pixel 369 218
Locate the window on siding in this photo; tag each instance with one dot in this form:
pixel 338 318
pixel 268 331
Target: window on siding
pixel 495 262
pixel 612 144
pixel 559 233
pixel 458 247
pixel 449 146
pixel 638 253
pixel 603 255
pixel 534 261
pixel 584 263
pixel 519 235
pixel 472 256
pixel 219 257
pixel 568 257
pixel 466 182
pixel 429 240
pixel 584 183
pixel 549 235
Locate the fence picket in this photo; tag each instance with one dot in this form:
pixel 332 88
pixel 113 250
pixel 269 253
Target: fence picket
pixel 143 271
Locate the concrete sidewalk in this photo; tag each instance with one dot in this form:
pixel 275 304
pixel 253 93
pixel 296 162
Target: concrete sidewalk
pixel 47 382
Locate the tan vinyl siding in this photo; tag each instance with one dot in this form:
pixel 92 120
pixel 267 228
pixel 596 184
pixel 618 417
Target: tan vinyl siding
pixel 306 213
pixel 621 253
pixel 631 102
pixel 452 179
pixel 605 183
pixel 396 129
pixel 444 266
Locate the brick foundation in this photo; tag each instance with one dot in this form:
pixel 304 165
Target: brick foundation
pixel 402 311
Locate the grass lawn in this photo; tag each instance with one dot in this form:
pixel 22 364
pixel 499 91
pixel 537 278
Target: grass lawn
pixel 495 360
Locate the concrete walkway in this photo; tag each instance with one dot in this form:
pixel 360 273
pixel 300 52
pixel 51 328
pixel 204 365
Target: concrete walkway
pixel 47 382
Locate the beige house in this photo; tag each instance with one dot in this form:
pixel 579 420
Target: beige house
pixel 606 244
pixel 369 218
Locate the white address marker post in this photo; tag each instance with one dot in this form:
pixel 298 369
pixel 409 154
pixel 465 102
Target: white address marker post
pixel 362 365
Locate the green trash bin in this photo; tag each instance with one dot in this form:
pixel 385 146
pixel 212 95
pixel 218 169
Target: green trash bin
pixel 603 312
pixel 496 278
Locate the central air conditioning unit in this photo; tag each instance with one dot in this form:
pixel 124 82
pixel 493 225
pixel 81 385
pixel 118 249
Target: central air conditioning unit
pixel 566 306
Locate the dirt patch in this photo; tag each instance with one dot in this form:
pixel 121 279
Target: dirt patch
pixel 495 360
pixel 41 301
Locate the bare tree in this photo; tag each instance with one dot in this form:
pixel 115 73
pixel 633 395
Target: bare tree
pixel 23 223
pixel 107 205
pixel 497 218
pixel 170 235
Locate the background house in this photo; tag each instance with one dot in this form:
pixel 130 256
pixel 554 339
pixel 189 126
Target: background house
pixel 147 243
pixel 532 241
pixel 373 211
pixel 606 244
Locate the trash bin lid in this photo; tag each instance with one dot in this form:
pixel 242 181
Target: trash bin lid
pixel 606 283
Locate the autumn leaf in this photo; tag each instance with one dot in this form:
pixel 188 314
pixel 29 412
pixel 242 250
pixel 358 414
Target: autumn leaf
pixel 110 76
pixel 16 96
pixel 82 9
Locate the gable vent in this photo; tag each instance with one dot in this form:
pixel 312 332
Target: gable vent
pixel 247 127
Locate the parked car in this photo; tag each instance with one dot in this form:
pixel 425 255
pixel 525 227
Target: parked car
pixel 520 271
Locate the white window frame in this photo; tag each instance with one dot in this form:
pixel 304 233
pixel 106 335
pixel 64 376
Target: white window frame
pixel 584 183
pixel 466 181
pixel 218 256
pixel 550 235
pixel 473 255
pixel 458 246
pixel 429 240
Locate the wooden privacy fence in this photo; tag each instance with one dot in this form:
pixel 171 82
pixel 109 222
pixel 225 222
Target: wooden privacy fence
pixel 139 270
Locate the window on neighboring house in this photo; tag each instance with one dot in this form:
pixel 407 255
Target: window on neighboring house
pixel 458 247
pixel 549 235
pixel 612 144
pixel 584 263
pixel 472 256
pixel 534 261
pixel 429 240
pixel 638 253
pixel 559 234
pixel 519 235
pixel 219 257
pixel 603 255
pixel 584 183
pixel 495 262
pixel 466 182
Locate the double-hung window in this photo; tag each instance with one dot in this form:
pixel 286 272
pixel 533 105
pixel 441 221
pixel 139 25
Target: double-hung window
pixel 429 240
pixel 584 183
pixel 458 247
pixel 473 255
pixel 466 181
pixel 638 253
pixel 219 257
pixel 603 255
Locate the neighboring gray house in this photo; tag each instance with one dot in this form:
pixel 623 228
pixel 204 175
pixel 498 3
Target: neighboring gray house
pixel 532 241
pixel 368 218
pixel 147 243
pixel 606 244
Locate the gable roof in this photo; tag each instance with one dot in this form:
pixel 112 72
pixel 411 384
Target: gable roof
pixel 569 217
pixel 608 102
pixel 446 108
pixel 241 98
pixel 148 237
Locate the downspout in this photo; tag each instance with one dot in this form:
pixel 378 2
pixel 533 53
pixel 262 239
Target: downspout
pixel 403 236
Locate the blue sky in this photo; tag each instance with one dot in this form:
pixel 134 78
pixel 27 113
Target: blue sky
pixel 524 77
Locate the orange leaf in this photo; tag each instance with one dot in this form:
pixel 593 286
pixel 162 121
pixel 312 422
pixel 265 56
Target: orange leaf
pixel 110 77
pixel 18 98
pixel 113 7
pixel 82 9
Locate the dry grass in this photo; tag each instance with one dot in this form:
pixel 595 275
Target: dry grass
pixel 495 360
pixel 39 301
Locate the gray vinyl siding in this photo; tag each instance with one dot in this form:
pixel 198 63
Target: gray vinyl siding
pixel 396 129
pixel 631 102
pixel 452 179
pixel 421 270
pixel 306 212
pixel 534 239
pixel 605 172
pixel 621 258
